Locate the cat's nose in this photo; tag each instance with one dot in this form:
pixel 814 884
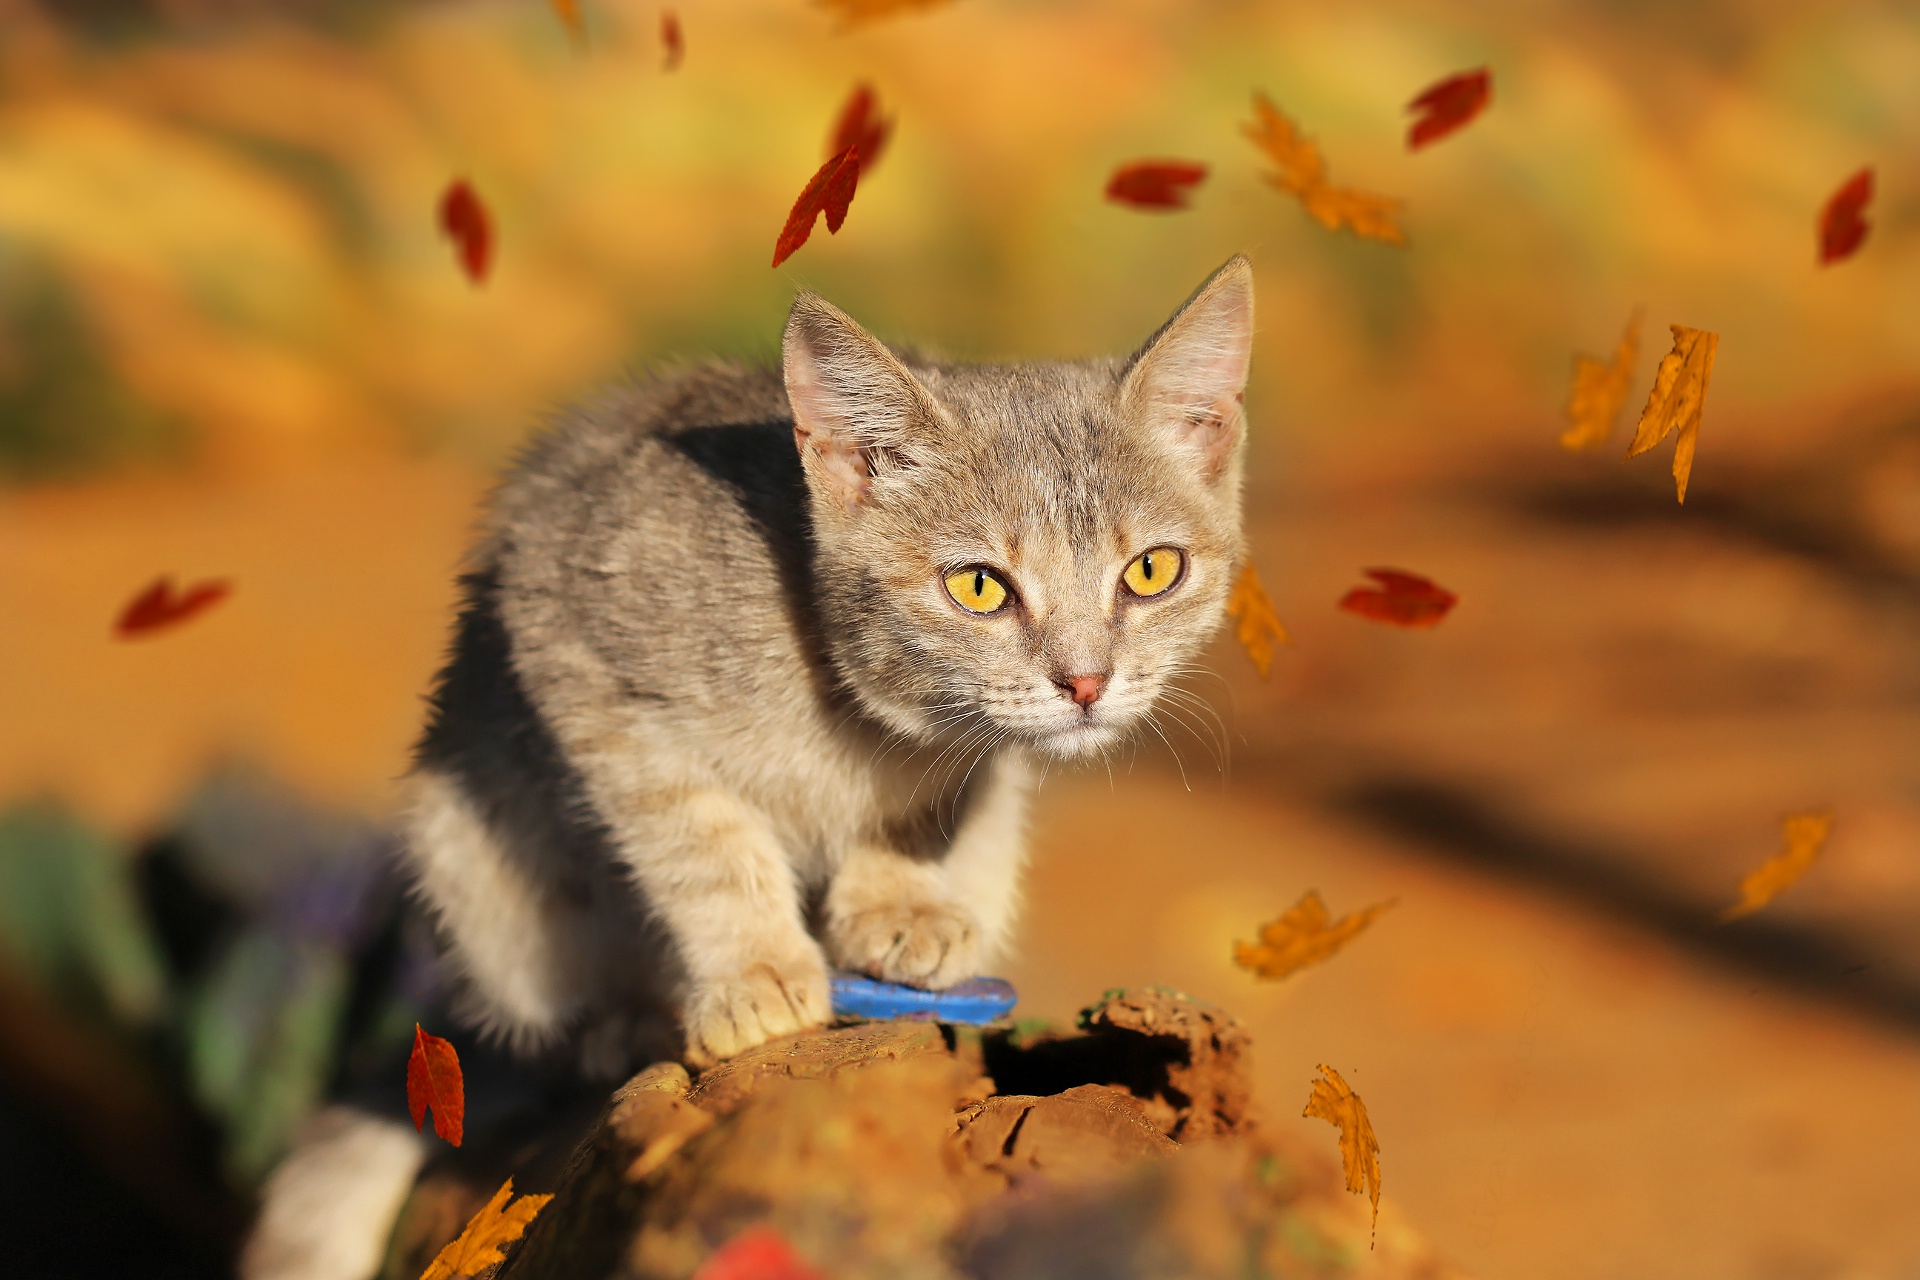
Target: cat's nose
pixel 1084 690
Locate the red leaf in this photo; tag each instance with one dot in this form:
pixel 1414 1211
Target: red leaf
pixel 158 607
pixel 673 38
pixel 464 218
pixel 1401 599
pixel 860 125
pixel 1155 184
pixel 1448 105
pixel 1842 229
pixel 434 1080
pixel 829 191
pixel 758 1253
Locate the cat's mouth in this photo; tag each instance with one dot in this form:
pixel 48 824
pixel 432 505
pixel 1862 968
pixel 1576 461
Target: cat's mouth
pixel 1082 738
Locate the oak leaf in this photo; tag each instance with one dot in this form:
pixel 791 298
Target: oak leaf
pixel 862 127
pixel 568 11
pixel 1332 1101
pixel 464 219
pixel 487 1234
pixel 434 1080
pixel 1804 834
pixel 1401 600
pixel 1448 105
pixel 855 13
pixel 1301 170
pixel 1599 389
pixel 158 607
pixel 1302 937
pixel 1842 228
pixel 758 1253
pixel 1256 626
pixel 1155 184
pixel 1679 394
pixel 673 40
pixel 829 191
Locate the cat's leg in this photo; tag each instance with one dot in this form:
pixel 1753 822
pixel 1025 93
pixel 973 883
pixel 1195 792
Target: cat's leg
pixel 327 1209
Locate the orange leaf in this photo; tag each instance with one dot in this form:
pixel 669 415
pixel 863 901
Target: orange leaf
pixel 1302 171
pixel 568 11
pixel 487 1233
pixel 1155 184
pixel 1679 394
pixel 1842 228
pixel 1258 627
pixel 434 1080
pixel 1599 389
pixel 1332 1101
pixel 673 39
pixel 1449 105
pixel 1301 937
pixel 758 1253
pixel 465 219
pixel 1401 600
pixel 854 13
pixel 1805 835
pixel 829 191
pixel 158 607
pixel 861 127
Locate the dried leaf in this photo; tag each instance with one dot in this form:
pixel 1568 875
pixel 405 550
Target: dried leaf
pixel 158 607
pixel 1679 394
pixel 1301 937
pixel 434 1080
pixel 758 1253
pixel 1599 389
pixel 487 1233
pixel 1805 834
pixel 1155 184
pixel 568 11
pixel 465 219
pixel 1341 1107
pixel 1302 171
pixel 829 191
pixel 1257 627
pixel 1842 228
pixel 673 40
pixel 1448 105
pixel 862 127
pixel 856 13
pixel 1402 599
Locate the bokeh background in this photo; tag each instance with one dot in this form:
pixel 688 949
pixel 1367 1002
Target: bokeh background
pixel 233 344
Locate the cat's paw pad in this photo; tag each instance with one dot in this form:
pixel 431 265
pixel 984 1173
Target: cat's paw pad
pixel 733 1012
pixel 929 945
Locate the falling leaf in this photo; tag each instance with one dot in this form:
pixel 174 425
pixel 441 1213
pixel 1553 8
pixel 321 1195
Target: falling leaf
pixel 465 219
pixel 1805 835
pixel 862 127
pixel 1257 627
pixel 1155 184
pixel 855 13
pixel 568 11
pixel 1341 1107
pixel 1448 106
pixel 758 1253
pixel 158 607
pixel 673 39
pixel 1301 937
pixel 434 1080
pixel 1679 394
pixel 1302 171
pixel 1599 389
pixel 480 1246
pixel 829 191
pixel 1842 229
pixel 1402 599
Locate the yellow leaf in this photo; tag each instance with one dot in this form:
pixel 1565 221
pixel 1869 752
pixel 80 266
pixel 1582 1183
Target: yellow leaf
pixel 568 11
pixel 1679 393
pixel 1805 835
pixel 1341 1107
pixel 1302 171
pixel 1599 389
pixel 1257 627
pixel 854 13
pixel 1301 937
pixel 496 1225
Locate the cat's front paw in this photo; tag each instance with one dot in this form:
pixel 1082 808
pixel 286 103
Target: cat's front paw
pixel 733 1012
pixel 923 944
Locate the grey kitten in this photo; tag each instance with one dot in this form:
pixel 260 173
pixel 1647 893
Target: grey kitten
pixel 753 671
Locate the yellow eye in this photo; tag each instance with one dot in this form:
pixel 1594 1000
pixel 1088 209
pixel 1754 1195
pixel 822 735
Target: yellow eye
pixel 1153 571
pixel 977 590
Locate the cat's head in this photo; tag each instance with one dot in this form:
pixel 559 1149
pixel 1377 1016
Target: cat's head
pixel 1023 553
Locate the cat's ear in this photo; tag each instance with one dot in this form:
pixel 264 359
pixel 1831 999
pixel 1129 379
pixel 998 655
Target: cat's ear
pixel 855 406
pixel 1190 379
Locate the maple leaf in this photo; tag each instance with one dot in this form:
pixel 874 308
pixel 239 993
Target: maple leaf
pixel 861 126
pixel 1402 599
pixel 673 39
pixel 1448 105
pixel 487 1233
pixel 434 1080
pixel 758 1253
pixel 465 220
pixel 1257 627
pixel 1679 394
pixel 1155 184
pixel 855 13
pixel 1842 228
pixel 1805 834
pixel 1332 1101
pixel 1599 389
pixel 829 191
pixel 1302 937
pixel 1301 171
pixel 568 11
pixel 158 607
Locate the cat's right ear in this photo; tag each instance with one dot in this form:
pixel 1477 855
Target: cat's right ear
pixel 855 406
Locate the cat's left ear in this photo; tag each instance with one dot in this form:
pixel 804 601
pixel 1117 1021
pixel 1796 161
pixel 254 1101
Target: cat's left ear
pixel 1190 379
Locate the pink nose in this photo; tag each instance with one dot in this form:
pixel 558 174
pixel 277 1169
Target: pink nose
pixel 1084 690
